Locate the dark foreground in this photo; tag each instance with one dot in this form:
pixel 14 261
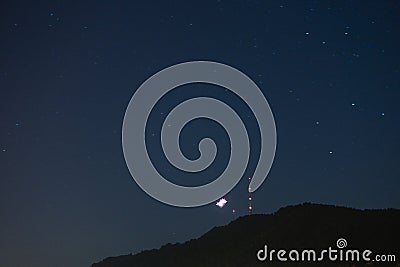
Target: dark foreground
pixel 307 226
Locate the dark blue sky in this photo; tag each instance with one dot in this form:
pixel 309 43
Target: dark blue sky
pixel 330 71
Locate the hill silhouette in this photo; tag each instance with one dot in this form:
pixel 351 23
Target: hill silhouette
pixel 305 226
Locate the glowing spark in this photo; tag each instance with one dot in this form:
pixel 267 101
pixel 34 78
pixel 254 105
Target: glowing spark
pixel 221 203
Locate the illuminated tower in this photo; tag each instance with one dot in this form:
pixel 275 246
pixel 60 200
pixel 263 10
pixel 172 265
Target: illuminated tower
pixel 250 199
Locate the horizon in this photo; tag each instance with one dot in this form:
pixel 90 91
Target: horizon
pixel 271 217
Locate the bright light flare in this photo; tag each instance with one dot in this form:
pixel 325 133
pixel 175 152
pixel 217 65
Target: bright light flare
pixel 221 203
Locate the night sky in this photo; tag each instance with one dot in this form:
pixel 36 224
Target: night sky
pixel 330 72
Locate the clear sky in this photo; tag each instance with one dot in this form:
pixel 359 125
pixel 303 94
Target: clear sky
pixel 329 69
